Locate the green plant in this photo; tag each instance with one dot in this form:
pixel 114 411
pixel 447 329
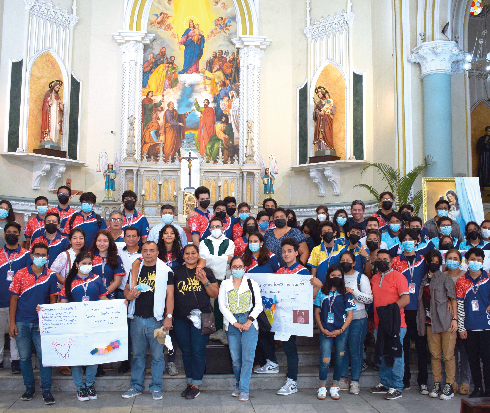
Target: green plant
pixel 400 185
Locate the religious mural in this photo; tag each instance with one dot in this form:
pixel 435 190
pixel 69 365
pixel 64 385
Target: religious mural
pixel 191 81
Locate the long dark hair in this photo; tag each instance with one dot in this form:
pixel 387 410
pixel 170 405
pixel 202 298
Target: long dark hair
pixel 295 220
pixel 81 231
pixel 345 227
pixel 112 256
pixel 176 245
pixel 244 232
pixel 312 225
pixel 263 251
pixel 11 215
pixel 73 272
pixel 326 285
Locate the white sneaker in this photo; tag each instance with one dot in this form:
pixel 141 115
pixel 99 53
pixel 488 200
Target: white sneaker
pixel 268 367
pixel 289 387
pixel 322 393
pixel 236 393
pixel 334 393
pixel 344 384
pixel 354 387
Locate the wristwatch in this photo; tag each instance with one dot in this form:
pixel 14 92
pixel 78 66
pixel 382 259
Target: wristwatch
pixel 170 316
pixel 207 284
pixel 251 319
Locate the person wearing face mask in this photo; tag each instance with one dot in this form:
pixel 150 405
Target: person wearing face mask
pixel 269 205
pixel 32 229
pixel 413 267
pixel 362 262
pixel 237 296
pixel 219 209
pixel 473 292
pixel 310 230
pixel 31 286
pixel 132 217
pixel 406 211
pixel 444 226
pixel 263 221
pixel 116 220
pixel 249 226
pixel 333 310
pixel 167 213
pixel 372 223
pixel 83 285
pixel 386 202
pixel 373 244
pixel 322 214
pixel 473 238
pixel 416 223
pixel 340 218
pixel 12 258
pixel 292 221
pixel 87 220
pixel 7 215
pixel 230 202
pixel 243 214
pixel 52 237
pixel 485 231
pixel 257 257
pixel 392 230
pixel 198 222
pixel 442 210
pixel 64 210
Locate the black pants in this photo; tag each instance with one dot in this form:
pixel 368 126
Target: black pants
pixel 420 346
pixel 478 348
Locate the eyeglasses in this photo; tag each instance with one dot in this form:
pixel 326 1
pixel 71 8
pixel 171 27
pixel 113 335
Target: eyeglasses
pixel 39 255
pixel 443 209
pixel 386 199
pixel 116 219
pixel 215 227
pixel 241 267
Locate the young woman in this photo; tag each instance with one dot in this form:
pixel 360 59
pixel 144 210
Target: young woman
pixel 263 221
pixel 64 262
pixel 240 324
pixel 291 218
pixel 473 237
pixel 340 218
pixel 310 229
pixel 333 315
pixel 257 257
pixel 436 306
pixel 249 226
pixel 359 286
pixel 322 214
pixel 170 246
pixel 82 284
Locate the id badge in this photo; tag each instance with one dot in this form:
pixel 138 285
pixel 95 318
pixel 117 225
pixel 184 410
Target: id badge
pixel 330 318
pixel 474 305
pixel 105 282
pixel 10 275
pixel 411 288
pixel 85 298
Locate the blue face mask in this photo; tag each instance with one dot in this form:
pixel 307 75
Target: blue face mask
pixel 442 213
pixel 446 229
pixel 341 221
pixel 3 213
pixel 243 215
pixel 395 227
pixel 254 246
pixel 475 266
pixel 238 273
pixel 167 218
pixel 87 207
pixel 452 265
pixel 263 225
pixel 39 261
pixel 42 209
pixel 408 246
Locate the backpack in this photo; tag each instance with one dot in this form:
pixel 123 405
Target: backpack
pixel 74 216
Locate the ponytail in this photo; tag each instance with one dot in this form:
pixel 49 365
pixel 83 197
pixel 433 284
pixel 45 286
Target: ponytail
pixel 73 272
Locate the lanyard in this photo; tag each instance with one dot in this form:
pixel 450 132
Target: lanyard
pixel 330 303
pixel 477 287
pixel 329 256
pixel 411 269
pixel 85 286
pixel 104 259
pixel 10 261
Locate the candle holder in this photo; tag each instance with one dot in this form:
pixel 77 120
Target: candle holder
pixel 143 203
pixel 159 196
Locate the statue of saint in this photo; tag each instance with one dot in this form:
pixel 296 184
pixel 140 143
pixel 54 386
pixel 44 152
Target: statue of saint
pixel 483 149
pixel 110 182
pixel 323 117
pixel 52 114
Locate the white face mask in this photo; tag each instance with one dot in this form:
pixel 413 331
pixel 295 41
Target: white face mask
pixel 485 233
pixel 216 233
pixel 85 269
pixel 322 217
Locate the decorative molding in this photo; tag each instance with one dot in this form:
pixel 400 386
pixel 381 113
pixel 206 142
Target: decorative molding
pixel 38 171
pixel 56 171
pixel 333 176
pixel 50 12
pixel 437 57
pixel 317 175
pixel 338 23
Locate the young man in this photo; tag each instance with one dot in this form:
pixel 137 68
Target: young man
pixel 12 258
pixel 52 236
pixel 442 210
pixel 363 260
pixel 148 311
pixel 390 287
pixel 86 219
pixel 63 209
pixel 132 217
pixel 473 237
pixel 444 228
pixel 243 214
pixel 263 221
pixel 416 223
pixel 32 285
pixel 357 210
pixel 406 212
pixel 34 225
pixel 167 212
pixel 372 223
pixel 115 227
pixel 269 205
pixel 386 202
pixel 395 225
pixel 199 221
pixel 219 211
pixel 413 267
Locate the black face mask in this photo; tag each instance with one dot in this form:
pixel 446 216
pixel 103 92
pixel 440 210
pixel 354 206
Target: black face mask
pixel 11 239
pixel 291 223
pixel 372 245
pixel 354 239
pixel 473 235
pixel 269 211
pixel 383 266
pixel 280 223
pixel 434 267
pixel 220 214
pixel 346 266
pixel 250 229
pixel 387 205
pixel 129 205
pixel 230 211
pixel 406 215
pixel 418 231
pixel 328 237
pixel 204 204
pixel 51 228
pixel 335 282
pixel 446 246
pixel 63 199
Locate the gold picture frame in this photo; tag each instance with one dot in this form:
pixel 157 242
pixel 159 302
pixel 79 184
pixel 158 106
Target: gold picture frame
pixel 434 189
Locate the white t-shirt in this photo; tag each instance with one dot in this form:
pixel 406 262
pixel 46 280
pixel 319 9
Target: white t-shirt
pixel 153 235
pixel 127 258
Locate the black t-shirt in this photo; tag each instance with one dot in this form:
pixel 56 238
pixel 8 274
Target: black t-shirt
pixel 143 306
pixel 190 293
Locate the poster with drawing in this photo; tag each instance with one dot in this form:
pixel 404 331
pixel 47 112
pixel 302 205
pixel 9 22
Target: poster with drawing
pixel 83 334
pixel 288 301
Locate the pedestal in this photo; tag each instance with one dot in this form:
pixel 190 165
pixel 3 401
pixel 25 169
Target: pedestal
pixel 50 152
pixel 323 158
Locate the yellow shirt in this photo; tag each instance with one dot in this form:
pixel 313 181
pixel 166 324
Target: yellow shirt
pixel 239 303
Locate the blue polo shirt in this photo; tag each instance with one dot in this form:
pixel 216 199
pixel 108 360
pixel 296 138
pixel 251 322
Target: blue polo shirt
pixel 435 242
pixel 56 246
pixel 360 260
pixel 269 267
pixel 106 272
pixel 466 245
pixel 10 260
pixel 89 226
pixel 93 283
pixel 419 268
pixel 390 238
pixel 139 221
pixel 336 304
pixel 467 290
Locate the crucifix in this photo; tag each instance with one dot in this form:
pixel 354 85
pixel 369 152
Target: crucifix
pixel 73 191
pixel 189 159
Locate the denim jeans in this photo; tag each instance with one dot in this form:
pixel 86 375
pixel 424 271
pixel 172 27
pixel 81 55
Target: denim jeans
pixel 392 377
pixel 291 352
pixel 354 350
pixel 142 335
pixel 193 346
pixel 28 333
pixel 242 348
pixel 462 364
pixel 77 374
pixel 326 344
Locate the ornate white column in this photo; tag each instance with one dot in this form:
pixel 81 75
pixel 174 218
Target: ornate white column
pixel 439 56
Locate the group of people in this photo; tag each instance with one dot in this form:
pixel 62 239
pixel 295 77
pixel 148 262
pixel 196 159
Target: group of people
pixel 387 268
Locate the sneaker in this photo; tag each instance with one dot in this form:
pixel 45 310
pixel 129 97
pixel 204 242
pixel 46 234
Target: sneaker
pixel 187 390
pixel 48 397
pixel 406 386
pixel 322 393
pixel 28 395
pixel 334 393
pixel 447 392
pixel 193 393
pixel 172 369
pixel 354 387
pixel 131 393
pixel 393 394
pixel 82 394
pixel 423 389
pixel 289 387
pixel 92 394
pixel 244 397
pixel 344 384
pixel 379 389
pixel 436 389
pixel 15 366
pixel 157 395
pixel 364 366
pixel 236 393
pixel 268 367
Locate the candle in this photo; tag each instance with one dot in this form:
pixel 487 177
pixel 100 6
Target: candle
pixel 143 192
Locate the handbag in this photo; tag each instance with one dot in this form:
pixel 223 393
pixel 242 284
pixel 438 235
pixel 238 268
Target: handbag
pixel 262 319
pixel 208 321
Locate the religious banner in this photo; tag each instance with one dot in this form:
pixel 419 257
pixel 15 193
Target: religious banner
pixel 288 301
pixel 84 334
